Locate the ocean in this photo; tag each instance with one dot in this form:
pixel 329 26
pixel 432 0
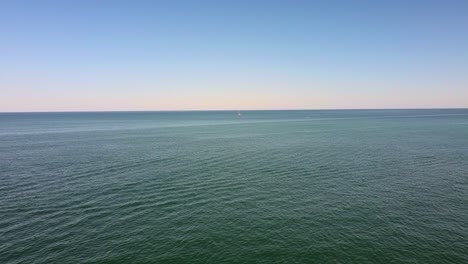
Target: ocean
pixel 305 186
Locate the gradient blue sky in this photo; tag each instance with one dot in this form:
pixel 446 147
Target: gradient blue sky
pixel 181 55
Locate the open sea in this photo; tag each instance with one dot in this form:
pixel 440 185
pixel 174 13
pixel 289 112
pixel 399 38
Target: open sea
pixel 341 186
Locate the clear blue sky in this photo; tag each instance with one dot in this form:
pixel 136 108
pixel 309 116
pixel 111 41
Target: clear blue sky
pixel 181 55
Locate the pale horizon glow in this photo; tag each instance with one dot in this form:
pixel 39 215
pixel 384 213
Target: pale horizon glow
pixel 247 55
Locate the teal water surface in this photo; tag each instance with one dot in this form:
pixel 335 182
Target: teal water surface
pixel 355 186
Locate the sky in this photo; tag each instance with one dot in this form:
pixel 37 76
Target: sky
pixel 139 55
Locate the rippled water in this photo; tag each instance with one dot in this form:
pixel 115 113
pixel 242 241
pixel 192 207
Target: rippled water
pixel 370 186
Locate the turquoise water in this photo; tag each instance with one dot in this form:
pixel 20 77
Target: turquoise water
pixel 360 186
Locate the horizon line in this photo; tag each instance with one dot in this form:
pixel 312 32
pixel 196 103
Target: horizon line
pixel 232 110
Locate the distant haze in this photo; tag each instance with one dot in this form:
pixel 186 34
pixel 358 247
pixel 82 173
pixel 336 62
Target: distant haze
pixel 203 55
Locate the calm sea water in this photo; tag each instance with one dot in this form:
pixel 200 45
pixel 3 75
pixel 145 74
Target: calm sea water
pixel 361 186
